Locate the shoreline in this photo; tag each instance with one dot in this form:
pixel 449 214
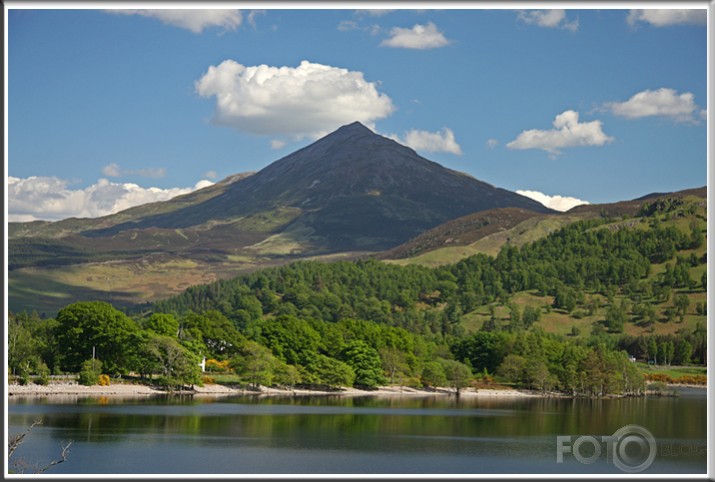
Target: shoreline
pixel 214 390
pixel 119 390
pixel 685 385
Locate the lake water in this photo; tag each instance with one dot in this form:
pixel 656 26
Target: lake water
pixel 355 435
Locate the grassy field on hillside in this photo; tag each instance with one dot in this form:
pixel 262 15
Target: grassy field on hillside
pixel 562 323
pixel 525 232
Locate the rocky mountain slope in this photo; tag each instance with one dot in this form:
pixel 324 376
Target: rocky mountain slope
pixel 349 193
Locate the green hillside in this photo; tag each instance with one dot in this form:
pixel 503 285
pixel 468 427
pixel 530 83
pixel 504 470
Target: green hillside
pixel 563 312
pixel 630 276
pixel 486 232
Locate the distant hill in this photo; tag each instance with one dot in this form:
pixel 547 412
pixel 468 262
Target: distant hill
pixel 487 231
pixel 72 226
pixel 632 207
pixel 461 231
pixel 618 276
pixel 351 192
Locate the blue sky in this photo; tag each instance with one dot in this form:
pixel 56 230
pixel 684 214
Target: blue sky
pixel 109 109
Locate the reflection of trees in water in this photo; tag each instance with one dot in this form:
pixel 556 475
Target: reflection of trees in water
pixel 436 424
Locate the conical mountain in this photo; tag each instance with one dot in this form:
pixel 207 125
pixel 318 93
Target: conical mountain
pixel 350 190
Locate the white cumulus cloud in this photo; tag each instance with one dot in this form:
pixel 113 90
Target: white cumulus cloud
pixel 150 172
pixel 347 25
pixel 425 141
pixel 51 198
pixel 252 17
pixel 567 132
pixel 548 18
pixel 191 19
pixel 418 37
pixel 305 101
pixel 277 144
pixel 668 17
pixel 557 203
pixel 662 102
pixel 114 170
pixel 492 143
pixel 374 12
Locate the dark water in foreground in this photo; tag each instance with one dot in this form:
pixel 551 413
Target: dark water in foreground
pixel 364 435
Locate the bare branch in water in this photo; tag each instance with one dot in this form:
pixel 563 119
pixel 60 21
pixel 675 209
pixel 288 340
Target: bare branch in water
pixel 63 457
pixel 15 440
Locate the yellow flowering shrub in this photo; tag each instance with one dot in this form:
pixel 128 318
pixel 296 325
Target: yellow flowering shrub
pixel 216 366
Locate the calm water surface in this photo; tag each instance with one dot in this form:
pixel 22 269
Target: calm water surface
pixel 361 435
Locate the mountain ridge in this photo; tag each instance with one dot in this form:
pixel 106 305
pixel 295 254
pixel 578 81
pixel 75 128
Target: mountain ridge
pixel 486 231
pixel 350 194
pixel 351 172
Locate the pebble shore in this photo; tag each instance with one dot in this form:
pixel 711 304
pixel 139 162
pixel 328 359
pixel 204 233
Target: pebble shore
pixel 125 389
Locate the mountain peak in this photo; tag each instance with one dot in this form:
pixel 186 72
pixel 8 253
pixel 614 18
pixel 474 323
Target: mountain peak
pixel 355 127
pixel 352 190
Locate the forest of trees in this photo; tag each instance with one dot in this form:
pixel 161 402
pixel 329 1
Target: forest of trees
pixel 367 323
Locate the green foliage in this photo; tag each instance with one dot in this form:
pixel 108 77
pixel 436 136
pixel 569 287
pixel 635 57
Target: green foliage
pixel 42 374
pixel 544 362
pixel 90 372
pixel 365 362
pixel 433 375
pixel 483 350
pixel 162 324
pixel 366 289
pixel 291 339
pixel 681 303
pixel 458 375
pixel 531 315
pixel 323 370
pixel 652 348
pixel 255 364
pixel 31 344
pixel 682 348
pixel 565 299
pixel 22 347
pixel 696 235
pixel 538 376
pixel 394 364
pixel 587 256
pixel 511 369
pixel 218 336
pixel 683 352
pixel 666 350
pixel 677 276
pixel 285 375
pixel 658 387
pixel 94 327
pixel 616 317
pixel 176 365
